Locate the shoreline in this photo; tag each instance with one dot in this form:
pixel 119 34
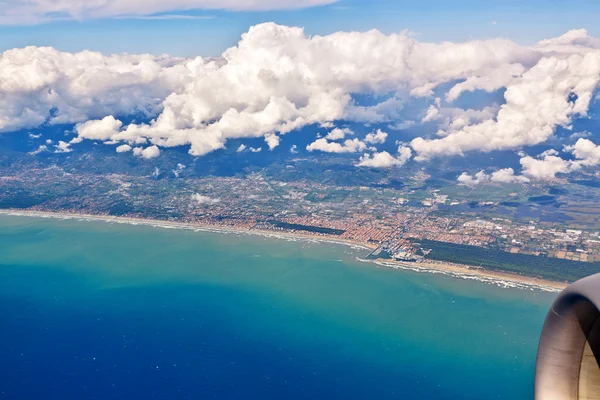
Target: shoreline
pixel 461 271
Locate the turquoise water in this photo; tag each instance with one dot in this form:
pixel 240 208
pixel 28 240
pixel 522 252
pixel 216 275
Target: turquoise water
pixel 96 310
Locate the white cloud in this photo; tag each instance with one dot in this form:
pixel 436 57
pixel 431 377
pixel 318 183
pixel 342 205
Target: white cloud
pixel 349 146
pixel 103 129
pixel 547 165
pixel 385 111
pixel 255 149
pixel 39 150
pixel 41 84
pixel 399 126
pixel 277 79
pixel 294 149
pixel 62 147
pixel 150 152
pixel 489 80
pixel 573 40
pixel 178 169
pixel 377 137
pixel 586 152
pixel 507 175
pixel 432 114
pixel 404 154
pixel 450 119
pixel 536 103
pixel 124 148
pixel 544 168
pixel 378 160
pixel 200 199
pixel 338 133
pixel 468 180
pixel 385 160
pixel 37 11
pixel 579 135
pixel 272 140
pixel 549 152
pixel 241 149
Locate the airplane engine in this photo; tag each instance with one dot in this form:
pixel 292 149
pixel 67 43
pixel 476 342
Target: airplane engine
pixel 568 360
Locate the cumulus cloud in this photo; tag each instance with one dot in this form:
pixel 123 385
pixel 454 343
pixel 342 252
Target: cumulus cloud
pixel 552 92
pixel 150 152
pixel 278 79
pixel 431 114
pixel 124 148
pixel 468 180
pixel 178 170
pixel 103 129
pixel 505 175
pixel 349 146
pixel 147 153
pixel 37 11
pixel 404 153
pixel 39 150
pixel 241 149
pixel 586 152
pixel 338 133
pixel 378 160
pixel 272 140
pixel 294 149
pixel 200 199
pixel 548 164
pixel 386 111
pixel 544 168
pixel 62 147
pixel 42 85
pixel 573 40
pixel 384 159
pixel 579 135
pixel 377 137
pixel 450 119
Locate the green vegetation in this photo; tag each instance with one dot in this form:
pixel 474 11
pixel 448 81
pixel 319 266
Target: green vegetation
pixel 494 259
pixel 298 227
pixel 334 196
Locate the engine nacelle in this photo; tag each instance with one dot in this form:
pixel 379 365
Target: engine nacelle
pixel 568 360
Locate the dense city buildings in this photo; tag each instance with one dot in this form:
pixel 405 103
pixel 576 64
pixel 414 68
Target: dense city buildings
pixel 401 223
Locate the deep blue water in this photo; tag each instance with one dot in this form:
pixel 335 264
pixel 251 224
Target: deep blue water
pixel 90 310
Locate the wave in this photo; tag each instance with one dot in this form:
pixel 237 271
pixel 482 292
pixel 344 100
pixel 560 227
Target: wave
pixel 489 279
pixel 492 280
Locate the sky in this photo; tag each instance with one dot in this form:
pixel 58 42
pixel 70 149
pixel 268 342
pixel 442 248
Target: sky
pixel 209 31
pixel 388 82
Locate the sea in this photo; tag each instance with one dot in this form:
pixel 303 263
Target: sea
pixel 100 310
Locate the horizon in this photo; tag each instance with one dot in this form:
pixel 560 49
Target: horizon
pixel 169 28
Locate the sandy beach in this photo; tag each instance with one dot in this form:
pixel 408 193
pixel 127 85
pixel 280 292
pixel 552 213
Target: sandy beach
pixel 457 270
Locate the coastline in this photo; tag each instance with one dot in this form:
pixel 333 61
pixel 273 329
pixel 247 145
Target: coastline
pixel 461 271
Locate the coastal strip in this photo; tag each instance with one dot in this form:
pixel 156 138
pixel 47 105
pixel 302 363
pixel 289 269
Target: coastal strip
pixel 500 279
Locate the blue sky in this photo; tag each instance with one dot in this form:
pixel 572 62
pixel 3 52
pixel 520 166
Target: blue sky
pixel 453 20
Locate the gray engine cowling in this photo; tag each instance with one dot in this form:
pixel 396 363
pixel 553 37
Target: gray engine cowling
pixel 568 360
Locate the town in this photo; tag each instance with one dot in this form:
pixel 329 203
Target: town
pixel 399 223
